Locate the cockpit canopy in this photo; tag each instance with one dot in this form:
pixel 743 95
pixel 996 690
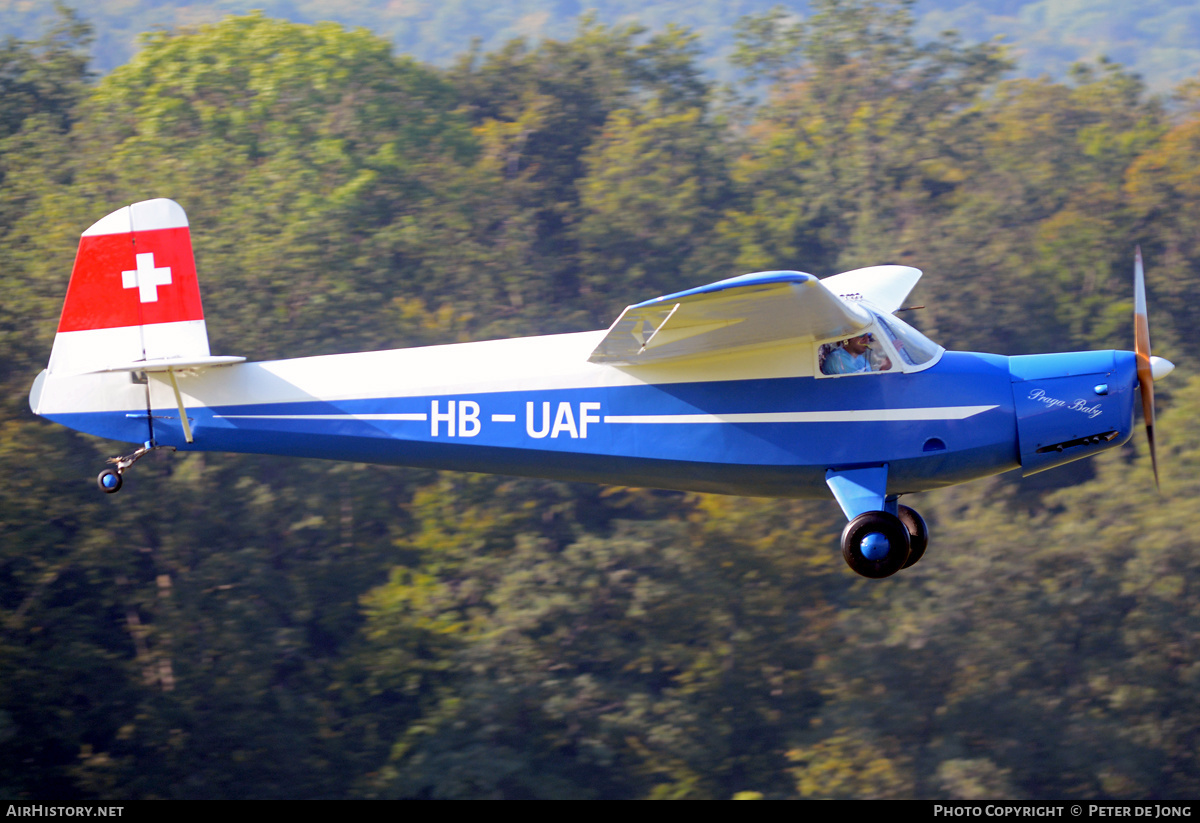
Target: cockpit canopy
pixel 888 344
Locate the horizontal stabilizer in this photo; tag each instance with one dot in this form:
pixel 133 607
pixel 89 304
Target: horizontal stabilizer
pixel 176 364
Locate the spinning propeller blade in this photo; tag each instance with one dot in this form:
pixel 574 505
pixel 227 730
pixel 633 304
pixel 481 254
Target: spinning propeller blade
pixel 1145 363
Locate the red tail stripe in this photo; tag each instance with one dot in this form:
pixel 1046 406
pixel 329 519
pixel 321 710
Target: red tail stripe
pixel 100 296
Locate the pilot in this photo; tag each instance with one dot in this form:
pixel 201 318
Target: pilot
pixel 852 356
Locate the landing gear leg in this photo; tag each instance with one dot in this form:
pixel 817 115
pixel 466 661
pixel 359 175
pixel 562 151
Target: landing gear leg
pixel 110 481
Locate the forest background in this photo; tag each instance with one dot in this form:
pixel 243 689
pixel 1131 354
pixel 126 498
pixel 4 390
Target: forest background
pixel 255 627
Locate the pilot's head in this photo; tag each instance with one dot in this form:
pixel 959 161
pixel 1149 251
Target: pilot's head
pixel 858 345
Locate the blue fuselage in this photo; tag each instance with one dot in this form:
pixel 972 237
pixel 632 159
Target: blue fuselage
pixel 967 416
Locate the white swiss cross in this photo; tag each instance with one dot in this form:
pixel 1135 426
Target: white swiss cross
pixel 146 278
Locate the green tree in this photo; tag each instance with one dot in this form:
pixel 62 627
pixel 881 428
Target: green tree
pixel 604 644
pixel 654 191
pixel 856 137
pixel 540 112
pixel 1047 175
pixel 154 647
pixel 44 77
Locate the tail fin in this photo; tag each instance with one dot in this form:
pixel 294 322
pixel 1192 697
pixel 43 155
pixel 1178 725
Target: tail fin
pixel 133 299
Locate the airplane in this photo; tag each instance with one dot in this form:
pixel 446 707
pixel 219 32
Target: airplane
pixel 773 384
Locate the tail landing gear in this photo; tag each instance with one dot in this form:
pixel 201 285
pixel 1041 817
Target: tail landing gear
pixel 109 481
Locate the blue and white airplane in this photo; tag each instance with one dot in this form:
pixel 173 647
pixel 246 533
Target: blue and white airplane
pixel 769 384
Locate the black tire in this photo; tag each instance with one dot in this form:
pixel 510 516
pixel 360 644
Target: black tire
pixel 918 534
pixel 894 544
pixel 109 481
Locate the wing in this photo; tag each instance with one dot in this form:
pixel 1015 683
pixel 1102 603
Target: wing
pixel 750 310
pixel 884 287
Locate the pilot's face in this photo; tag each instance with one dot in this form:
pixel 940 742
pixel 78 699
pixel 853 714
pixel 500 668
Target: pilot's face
pixel 857 345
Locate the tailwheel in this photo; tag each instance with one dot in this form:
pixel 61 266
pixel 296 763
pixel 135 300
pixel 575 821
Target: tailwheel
pixel 918 534
pixel 109 481
pixel 875 544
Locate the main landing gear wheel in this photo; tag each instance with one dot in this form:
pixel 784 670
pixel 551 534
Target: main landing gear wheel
pixel 918 534
pixel 109 481
pixel 875 544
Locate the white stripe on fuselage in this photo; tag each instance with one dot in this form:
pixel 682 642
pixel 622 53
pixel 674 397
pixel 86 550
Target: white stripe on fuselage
pixel 838 416
pixel 401 417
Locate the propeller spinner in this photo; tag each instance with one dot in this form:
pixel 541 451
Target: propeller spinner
pixel 1149 368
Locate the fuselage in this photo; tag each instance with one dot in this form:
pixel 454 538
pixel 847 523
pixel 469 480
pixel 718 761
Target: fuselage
pixel 754 423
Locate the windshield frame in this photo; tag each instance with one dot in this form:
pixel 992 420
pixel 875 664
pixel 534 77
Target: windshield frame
pixel 910 340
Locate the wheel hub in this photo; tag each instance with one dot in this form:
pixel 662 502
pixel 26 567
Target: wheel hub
pixel 875 546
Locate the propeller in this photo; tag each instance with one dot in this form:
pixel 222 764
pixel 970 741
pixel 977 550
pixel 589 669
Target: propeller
pixel 1149 367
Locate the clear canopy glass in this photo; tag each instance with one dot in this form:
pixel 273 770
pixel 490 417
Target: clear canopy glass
pixel 914 348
